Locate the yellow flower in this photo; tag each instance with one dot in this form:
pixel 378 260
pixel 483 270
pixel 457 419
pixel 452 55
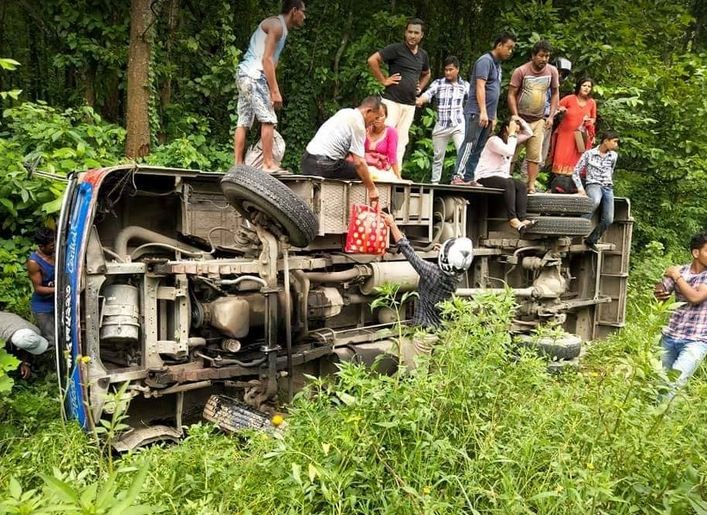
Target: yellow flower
pixel 85 360
pixel 426 490
pixel 590 466
pixel 277 420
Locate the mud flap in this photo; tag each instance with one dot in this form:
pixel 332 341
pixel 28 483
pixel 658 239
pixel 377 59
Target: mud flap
pixel 231 415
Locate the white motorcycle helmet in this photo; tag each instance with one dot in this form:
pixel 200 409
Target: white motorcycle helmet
pixel 456 255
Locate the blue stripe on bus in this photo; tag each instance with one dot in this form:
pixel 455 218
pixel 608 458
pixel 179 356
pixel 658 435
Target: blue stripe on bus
pixel 75 405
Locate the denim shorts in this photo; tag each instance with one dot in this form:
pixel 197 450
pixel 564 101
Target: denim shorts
pixel 254 101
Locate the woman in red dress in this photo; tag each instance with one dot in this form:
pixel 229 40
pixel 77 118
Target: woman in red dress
pixel 580 114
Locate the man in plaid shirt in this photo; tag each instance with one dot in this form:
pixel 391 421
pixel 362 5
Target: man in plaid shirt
pixel 685 338
pixel 451 92
pixel 437 282
pixel 599 164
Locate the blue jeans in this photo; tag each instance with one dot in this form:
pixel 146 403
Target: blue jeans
pixel 474 140
pixel 601 196
pixel 684 356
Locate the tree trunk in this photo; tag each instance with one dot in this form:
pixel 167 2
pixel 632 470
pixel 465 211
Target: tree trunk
pixel 340 52
pixel 699 11
pixel 89 84
pixel 137 119
pixel 114 99
pixel 3 31
pixel 36 77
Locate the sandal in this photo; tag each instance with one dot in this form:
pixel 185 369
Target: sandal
pixel 527 224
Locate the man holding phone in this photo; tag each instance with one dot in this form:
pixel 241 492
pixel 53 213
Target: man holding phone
pixel 684 340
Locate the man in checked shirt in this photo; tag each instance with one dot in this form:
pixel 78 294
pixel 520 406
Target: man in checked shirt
pixel 437 282
pixel 685 338
pixel 599 163
pixel 451 92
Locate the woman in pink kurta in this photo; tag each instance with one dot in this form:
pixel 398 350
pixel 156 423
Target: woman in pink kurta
pixel 381 149
pixel 580 113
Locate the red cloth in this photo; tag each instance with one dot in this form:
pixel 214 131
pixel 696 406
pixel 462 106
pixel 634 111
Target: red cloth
pixel 565 154
pixel 367 232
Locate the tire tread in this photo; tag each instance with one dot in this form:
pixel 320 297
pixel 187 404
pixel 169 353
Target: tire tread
pixel 560 226
pixel 243 182
pixel 559 204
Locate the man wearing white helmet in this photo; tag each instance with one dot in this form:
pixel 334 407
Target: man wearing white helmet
pixel 25 337
pixel 437 282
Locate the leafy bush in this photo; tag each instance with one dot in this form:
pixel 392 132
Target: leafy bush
pixel 9 64
pixel 59 142
pixel 75 139
pixel 15 286
pixel 61 494
pixel 8 363
pixel 192 147
pixel 481 428
pixel 24 202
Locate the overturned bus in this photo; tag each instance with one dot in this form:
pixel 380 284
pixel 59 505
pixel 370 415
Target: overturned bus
pixel 173 284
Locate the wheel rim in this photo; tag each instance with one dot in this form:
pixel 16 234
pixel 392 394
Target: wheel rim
pixel 257 215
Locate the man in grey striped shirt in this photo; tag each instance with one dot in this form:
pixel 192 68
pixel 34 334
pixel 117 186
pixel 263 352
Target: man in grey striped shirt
pixel 599 163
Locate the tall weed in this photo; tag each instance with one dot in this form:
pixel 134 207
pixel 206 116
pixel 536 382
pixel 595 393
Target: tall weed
pixel 483 428
pixel 480 428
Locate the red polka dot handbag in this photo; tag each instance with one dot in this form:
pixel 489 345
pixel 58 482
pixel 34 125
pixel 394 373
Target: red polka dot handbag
pixel 367 232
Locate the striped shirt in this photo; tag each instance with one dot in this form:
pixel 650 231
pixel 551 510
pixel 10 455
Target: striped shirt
pixel 689 321
pixel 600 168
pixel 450 101
pixel 435 287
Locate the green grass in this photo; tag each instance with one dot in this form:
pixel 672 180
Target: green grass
pixel 482 430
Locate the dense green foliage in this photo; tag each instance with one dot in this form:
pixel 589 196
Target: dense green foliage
pixel 483 428
pixel 648 58
pixel 486 429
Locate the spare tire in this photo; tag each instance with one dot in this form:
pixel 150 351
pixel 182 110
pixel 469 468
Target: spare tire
pixel 559 204
pixel 265 201
pixel 567 346
pixel 559 226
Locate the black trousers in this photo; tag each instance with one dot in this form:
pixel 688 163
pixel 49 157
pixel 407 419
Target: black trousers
pixel 515 193
pixel 323 166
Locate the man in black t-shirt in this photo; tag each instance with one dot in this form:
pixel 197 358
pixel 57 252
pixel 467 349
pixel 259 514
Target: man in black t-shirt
pixel 408 74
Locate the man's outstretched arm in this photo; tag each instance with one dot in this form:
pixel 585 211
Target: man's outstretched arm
pixel 365 176
pixel 422 267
